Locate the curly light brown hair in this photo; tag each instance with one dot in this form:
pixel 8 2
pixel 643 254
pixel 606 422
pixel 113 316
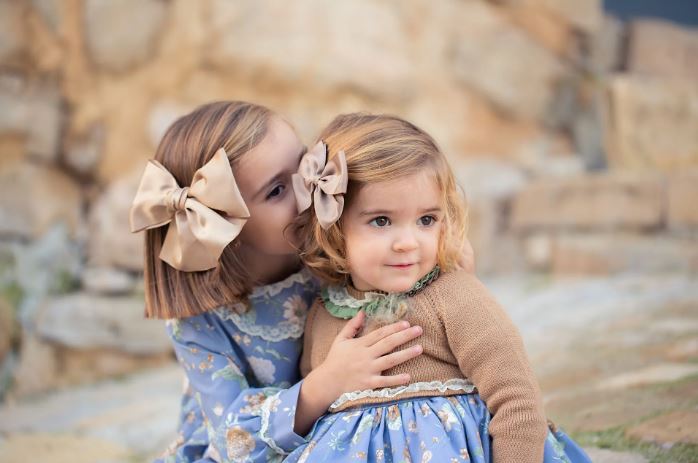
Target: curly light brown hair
pixel 379 148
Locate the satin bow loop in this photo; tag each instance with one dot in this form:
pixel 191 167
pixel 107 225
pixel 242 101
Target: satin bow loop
pixel 322 183
pixel 203 217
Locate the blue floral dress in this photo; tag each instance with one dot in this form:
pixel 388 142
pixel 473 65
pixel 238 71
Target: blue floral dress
pixel 430 429
pixel 242 376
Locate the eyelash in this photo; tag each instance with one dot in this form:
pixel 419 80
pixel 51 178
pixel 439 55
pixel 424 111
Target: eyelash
pixel 432 220
pixel 271 196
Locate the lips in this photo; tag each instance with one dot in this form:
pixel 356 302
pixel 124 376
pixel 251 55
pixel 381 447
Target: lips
pixel 400 265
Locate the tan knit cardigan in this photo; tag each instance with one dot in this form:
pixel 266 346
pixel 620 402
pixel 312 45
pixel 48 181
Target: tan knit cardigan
pixel 466 335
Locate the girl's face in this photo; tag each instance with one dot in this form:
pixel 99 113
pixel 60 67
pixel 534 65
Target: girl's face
pixel 392 232
pixel 264 178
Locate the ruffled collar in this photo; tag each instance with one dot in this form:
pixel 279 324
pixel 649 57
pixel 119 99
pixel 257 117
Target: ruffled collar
pixel 276 311
pixel 346 301
pixel 303 276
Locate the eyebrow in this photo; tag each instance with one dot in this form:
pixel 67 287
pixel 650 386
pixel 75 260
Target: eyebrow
pixel 388 212
pixel 277 177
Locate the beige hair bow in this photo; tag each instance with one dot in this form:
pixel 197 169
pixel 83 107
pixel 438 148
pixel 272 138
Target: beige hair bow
pixel 197 233
pixel 321 182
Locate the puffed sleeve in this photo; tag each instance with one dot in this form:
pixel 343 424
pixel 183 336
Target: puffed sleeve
pixel 243 423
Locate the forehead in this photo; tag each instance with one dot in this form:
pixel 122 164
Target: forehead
pixel 419 191
pixel 278 151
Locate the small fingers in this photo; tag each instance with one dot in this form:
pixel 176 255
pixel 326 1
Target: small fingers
pixel 389 343
pixel 391 381
pixel 375 336
pixel 396 358
pixel 352 326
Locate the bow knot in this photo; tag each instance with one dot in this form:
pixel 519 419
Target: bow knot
pixel 197 234
pixel 178 198
pixel 323 183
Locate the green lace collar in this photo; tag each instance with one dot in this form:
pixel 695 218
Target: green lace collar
pixel 342 304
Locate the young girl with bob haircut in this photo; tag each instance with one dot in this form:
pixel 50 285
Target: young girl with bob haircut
pixel 215 204
pixel 381 226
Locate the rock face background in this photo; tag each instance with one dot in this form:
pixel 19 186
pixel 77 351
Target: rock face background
pixel 574 135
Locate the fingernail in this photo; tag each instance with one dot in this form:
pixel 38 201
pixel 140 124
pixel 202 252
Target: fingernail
pixel 417 329
pixel 417 348
pixel 405 324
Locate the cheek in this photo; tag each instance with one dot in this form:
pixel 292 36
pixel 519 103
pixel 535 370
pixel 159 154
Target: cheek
pixel 266 226
pixel 363 248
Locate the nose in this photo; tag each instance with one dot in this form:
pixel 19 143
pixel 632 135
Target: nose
pixel 405 241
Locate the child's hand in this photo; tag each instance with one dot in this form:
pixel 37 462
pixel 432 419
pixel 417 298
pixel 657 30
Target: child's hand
pixel 354 364
pixel 357 363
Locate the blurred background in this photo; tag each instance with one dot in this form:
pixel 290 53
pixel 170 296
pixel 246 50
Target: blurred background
pixel 571 124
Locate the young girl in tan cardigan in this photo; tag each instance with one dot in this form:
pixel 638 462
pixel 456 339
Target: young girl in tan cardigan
pixel 381 226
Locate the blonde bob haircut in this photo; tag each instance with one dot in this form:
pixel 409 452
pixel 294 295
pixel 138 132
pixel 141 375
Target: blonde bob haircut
pixel 189 143
pixel 380 148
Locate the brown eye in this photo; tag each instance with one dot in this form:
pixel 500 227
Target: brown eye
pixel 276 191
pixel 427 220
pixel 381 221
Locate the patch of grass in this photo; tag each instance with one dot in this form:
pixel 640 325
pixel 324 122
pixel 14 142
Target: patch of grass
pixel 615 439
pixel 12 293
pixel 65 282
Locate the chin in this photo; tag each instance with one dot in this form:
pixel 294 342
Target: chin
pixel 400 287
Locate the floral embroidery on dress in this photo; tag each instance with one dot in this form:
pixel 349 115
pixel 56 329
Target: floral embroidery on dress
pixel 263 369
pixel 239 444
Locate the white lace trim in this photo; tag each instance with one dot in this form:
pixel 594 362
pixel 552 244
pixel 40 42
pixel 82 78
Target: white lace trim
pixel 273 289
pixel 272 333
pixel 339 295
pixel 239 314
pixel 455 384
pixel 265 414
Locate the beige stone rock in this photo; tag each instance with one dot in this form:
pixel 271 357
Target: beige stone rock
pixel 598 455
pixel 80 366
pixel 120 35
pixel 679 426
pixel 539 250
pixel 602 254
pixel 8 327
pixel 83 153
pixel 585 14
pixel 50 11
pixel 12 31
pixel 101 280
pixel 84 321
pixel 607 46
pixel 600 201
pixel 162 116
pixel 38 368
pixel 499 61
pixel 34 111
pixel 111 242
pixel 34 197
pixel 543 25
pixel 664 372
pixel 651 123
pixel 683 194
pixel 361 44
pixel 59 448
pixel 662 48
pixel 495 251
pixel 137 412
